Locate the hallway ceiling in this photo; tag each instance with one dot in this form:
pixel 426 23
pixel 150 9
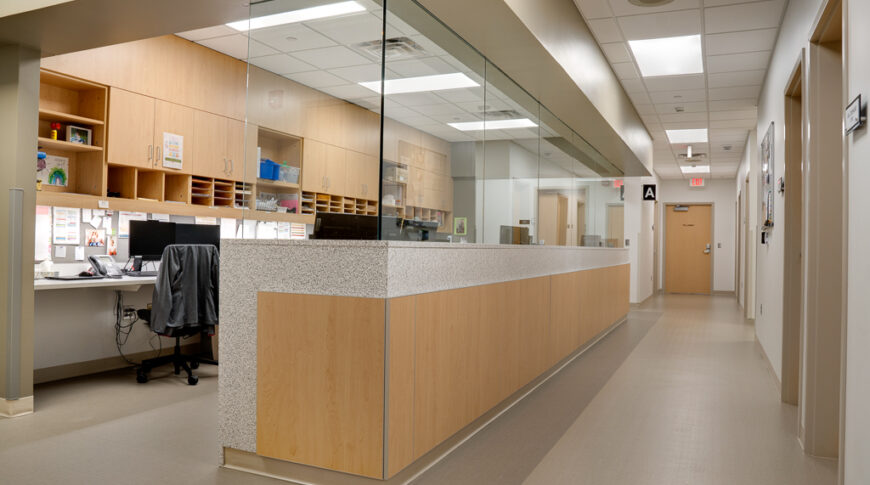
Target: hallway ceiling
pixel 737 37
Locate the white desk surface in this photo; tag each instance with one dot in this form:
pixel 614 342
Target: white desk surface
pixel 125 283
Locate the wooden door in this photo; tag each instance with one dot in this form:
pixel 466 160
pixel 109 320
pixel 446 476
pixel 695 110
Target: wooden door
pixel 236 148
pixel 171 118
pixel 581 222
pixel 562 220
pixel 688 249
pixel 547 233
pixel 336 170
pixel 361 180
pixel 131 129
pixel 615 226
pixel 313 166
pixel 210 145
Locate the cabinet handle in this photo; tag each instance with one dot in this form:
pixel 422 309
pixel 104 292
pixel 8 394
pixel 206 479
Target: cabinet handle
pixel 225 167
pixel 159 155
pixel 232 166
pixel 150 152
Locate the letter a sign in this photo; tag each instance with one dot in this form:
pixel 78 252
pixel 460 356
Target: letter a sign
pixel 649 192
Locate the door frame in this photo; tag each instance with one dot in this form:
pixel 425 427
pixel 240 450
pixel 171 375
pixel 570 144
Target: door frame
pixel 712 241
pixel 607 222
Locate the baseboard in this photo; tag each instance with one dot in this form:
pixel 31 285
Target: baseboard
pixel 16 407
pixel 78 369
pixel 724 293
pixel 303 474
pixel 770 367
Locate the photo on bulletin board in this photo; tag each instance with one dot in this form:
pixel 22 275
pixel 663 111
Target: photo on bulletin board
pixel 460 226
pixel 53 170
pixel 112 246
pixel 767 176
pixel 77 134
pixel 95 238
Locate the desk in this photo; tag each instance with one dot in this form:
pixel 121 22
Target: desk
pixel 125 283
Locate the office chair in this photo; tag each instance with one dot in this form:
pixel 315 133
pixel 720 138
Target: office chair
pixel 184 303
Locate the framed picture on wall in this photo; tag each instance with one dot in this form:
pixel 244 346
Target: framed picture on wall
pixel 77 134
pixel 460 226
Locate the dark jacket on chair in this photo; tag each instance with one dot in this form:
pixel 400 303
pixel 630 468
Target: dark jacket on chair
pixel 185 299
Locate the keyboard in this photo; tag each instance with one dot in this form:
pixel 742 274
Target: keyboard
pixel 74 278
pixel 141 274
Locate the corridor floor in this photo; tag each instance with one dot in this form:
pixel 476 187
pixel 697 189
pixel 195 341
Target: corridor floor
pixel 679 394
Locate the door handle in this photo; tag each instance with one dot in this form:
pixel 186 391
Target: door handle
pixel 707 249
pixel 225 167
pixel 232 166
pixel 159 156
pixel 150 152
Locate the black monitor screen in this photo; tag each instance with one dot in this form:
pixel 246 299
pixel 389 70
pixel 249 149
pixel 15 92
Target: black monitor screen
pixel 345 226
pixel 197 234
pixel 149 238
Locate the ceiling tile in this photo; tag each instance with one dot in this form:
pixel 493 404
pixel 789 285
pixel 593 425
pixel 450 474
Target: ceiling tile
pixel 749 61
pixel 616 52
pixel 281 64
pixel 207 33
pixel 621 7
pixel 291 38
pixel 744 114
pixel 420 67
pixel 625 70
pixel 673 83
pixel 733 104
pixel 667 108
pixel 468 95
pixel 669 24
pixel 633 86
pixel 719 3
pixel 415 99
pixel 680 117
pixel 359 74
pixel 738 78
pixel 347 91
pixel 351 29
pixel 688 96
pixel 593 9
pixel 316 79
pixel 645 109
pixel 737 42
pixel 748 124
pixel 605 30
pixel 639 98
pixel 744 16
pixel 331 57
pixel 739 92
pixel 238 46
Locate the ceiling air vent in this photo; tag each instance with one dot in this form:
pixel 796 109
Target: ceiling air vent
pixel 650 3
pixel 503 114
pixel 397 48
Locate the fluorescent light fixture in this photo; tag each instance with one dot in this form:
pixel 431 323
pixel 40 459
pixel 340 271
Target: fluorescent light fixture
pixel 695 169
pixel 687 136
pixel 436 82
pixel 668 56
pixel 494 125
pixel 301 15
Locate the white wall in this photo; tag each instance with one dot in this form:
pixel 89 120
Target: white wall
pixel 720 193
pixel 749 166
pixel 793 36
pixel 856 449
pixel 639 217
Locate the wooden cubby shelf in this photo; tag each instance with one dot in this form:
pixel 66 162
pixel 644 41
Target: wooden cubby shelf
pixel 52 115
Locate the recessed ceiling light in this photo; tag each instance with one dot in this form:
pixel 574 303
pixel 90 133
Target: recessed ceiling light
pixel 301 15
pixel 437 82
pixel 668 56
pixel 494 125
pixel 687 136
pixel 695 169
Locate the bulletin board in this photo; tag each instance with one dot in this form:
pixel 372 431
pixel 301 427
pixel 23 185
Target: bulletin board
pixel 767 179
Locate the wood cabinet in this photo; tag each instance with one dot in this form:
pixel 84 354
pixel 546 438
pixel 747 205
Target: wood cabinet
pixel 336 170
pixel 362 176
pixel 210 145
pixel 171 118
pixel 236 158
pixel 131 129
pixel 313 166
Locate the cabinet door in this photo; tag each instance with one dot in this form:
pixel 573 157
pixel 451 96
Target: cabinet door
pixel 247 171
pixel 210 145
pixel 435 162
pixel 313 166
pixel 131 129
pixel 171 118
pixel 416 178
pixel 362 176
pixel 236 149
pixel 336 170
pixel 370 175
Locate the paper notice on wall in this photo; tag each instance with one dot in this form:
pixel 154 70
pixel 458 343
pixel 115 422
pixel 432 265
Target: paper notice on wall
pixel 86 214
pixel 173 151
pixel 160 217
pixel 67 225
pixel 124 219
pixel 207 221
pixel 228 228
pixel 283 230
pixel 267 230
pixel 80 253
pixel 53 170
pixel 249 229
pixel 42 250
pixel 297 231
pixel 98 212
pixel 95 221
pixel 60 251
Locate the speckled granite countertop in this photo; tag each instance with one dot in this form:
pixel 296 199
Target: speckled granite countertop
pixel 373 269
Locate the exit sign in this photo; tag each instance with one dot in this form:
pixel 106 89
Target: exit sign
pixel 618 183
pixel 696 182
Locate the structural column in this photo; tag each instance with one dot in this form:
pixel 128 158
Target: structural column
pixel 19 104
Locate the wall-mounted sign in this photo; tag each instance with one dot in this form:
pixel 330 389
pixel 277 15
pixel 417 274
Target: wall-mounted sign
pixel 854 116
pixel 649 191
pixel 618 183
pixel 696 182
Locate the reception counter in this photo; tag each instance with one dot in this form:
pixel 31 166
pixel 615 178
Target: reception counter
pixel 371 358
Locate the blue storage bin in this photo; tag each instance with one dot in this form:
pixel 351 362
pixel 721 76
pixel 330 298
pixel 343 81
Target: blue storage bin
pixel 269 170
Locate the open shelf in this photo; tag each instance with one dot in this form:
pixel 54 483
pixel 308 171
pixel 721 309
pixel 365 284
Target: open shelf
pixel 224 193
pixel 149 185
pixel 276 184
pixel 201 191
pixel 176 188
pixel 49 144
pixel 122 181
pixel 52 115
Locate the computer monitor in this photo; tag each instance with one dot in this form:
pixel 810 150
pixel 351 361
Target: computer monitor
pixel 345 226
pixel 149 238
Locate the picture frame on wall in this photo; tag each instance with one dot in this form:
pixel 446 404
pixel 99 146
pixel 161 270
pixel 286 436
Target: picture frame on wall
pixel 460 226
pixel 78 134
pixel 767 177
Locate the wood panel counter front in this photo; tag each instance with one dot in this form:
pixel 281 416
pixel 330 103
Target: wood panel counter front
pixel 369 385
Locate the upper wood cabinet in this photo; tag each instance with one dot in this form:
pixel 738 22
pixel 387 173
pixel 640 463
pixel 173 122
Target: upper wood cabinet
pixel 313 166
pixel 237 160
pixel 171 118
pixel 210 145
pixel 336 170
pixel 131 129
pixel 362 176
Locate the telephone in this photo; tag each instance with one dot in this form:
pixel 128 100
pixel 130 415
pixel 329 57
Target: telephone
pixel 104 265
